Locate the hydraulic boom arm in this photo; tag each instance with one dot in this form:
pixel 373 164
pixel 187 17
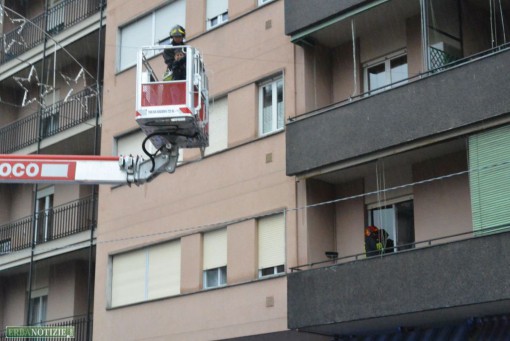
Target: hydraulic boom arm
pixel 85 169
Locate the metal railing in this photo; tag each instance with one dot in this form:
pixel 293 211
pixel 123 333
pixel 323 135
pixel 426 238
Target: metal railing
pixel 54 119
pixel 58 222
pixel 404 248
pixel 78 322
pixel 439 58
pixel 57 19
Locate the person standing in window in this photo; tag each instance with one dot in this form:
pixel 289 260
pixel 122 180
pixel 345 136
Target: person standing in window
pixel 177 33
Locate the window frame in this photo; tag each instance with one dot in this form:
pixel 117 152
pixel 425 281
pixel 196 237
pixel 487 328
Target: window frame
pixel 221 277
pixel 273 81
pixel 221 18
pixel 276 271
pixel 263 2
pixel 394 235
pixel 386 60
pixel 154 32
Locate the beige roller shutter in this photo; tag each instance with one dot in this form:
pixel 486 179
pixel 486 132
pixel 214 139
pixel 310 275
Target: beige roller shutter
pixel 128 277
pixel 271 231
pixel 164 270
pixel 215 249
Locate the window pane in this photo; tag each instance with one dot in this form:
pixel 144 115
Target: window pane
pixel 399 69
pixel 211 278
pixel 279 101
pixel 167 17
pixel 267 271
pixel 405 224
pixel 267 113
pixel 223 275
pixel 376 76
pixel 132 37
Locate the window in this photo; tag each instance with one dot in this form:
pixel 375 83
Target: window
pixel 44 212
pixel 271 243
pixel 146 274
pixel 5 246
pixel 397 219
pixel 218 125
pixel 215 258
pixel 382 73
pixel 215 277
pixel 271 106
pixel 149 30
pixel 488 179
pixel 51 115
pixel 217 12
pixel 38 306
pixel 56 15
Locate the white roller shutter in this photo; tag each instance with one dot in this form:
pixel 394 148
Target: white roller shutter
pixel 216 7
pixel 133 37
pixel 218 125
pixel 128 277
pixel 167 17
pixel 164 272
pixel 271 238
pixel 215 249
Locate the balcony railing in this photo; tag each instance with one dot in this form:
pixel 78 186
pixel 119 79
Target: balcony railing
pixel 54 119
pixel 51 224
pixel 59 17
pixel 78 322
pixel 405 247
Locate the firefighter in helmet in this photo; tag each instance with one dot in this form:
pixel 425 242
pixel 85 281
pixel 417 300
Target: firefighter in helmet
pixel 177 34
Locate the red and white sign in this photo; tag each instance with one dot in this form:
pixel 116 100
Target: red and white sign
pixel 37 170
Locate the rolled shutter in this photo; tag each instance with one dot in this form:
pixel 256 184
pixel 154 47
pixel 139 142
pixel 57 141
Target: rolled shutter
pixel 489 177
pixel 128 277
pixel 215 249
pixel 216 7
pixel 164 272
pixel 271 238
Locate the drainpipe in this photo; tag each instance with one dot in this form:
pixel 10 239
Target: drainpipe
pixel 36 187
pixel 424 34
pixel 95 194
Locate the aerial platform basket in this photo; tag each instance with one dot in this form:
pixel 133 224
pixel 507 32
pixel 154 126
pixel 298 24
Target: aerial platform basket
pixel 172 112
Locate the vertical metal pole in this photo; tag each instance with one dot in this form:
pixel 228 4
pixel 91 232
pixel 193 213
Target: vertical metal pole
pixel 36 187
pixel 461 30
pixel 354 59
pixel 424 34
pixel 95 194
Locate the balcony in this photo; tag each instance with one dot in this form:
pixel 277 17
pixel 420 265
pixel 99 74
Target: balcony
pixel 58 222
pixel 430 105
pixel 441 281
pixel 78 322
pixel 53 119
pixel 56 19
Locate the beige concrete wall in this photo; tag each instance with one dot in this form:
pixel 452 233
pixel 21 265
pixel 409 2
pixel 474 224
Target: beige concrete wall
pixel 191 263
pixel 345 82
pixel 236 184
pixel 21 205
pixel 414 46
pixel 61 291
pixel 239 7
pixel 209 315
pixel 242 252
pixel 14 307
pixel 320 220
pixel 442 207
pixel 388 39
pixel 350 219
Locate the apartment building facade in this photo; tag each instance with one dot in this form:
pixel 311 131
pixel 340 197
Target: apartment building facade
pixel 402 123
pixel 50 93
pixel 201 254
